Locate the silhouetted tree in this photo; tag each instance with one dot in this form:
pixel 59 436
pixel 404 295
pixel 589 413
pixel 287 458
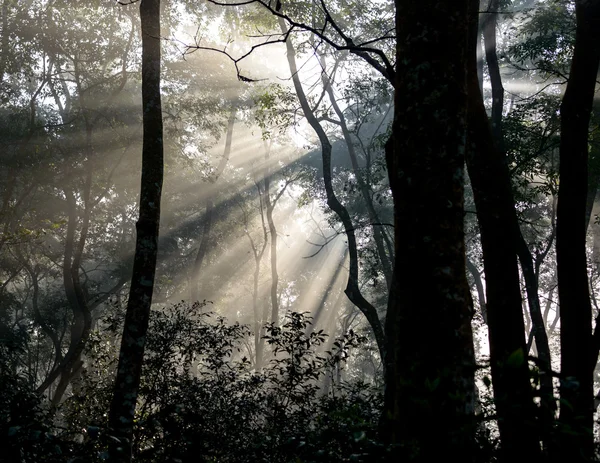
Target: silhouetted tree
pixel 122 409
pixel 578 358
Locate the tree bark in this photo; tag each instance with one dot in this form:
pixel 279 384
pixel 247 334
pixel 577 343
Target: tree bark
pixel 577 364
pixel 548 405
pixel 489 24
pixel 479 286
pixel 429 393
pixel 122 409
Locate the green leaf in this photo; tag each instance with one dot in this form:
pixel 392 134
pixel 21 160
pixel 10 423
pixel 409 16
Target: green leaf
pixel 516 359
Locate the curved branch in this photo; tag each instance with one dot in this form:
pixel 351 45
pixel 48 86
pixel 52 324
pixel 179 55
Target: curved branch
pixel 352 288
pixel 384 66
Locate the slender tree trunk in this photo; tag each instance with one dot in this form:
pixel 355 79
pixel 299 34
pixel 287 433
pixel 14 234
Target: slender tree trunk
pixel 480 290
pixel 429 392
pixel 352 288
pixel 528 268
pixel 480 56
pixel 269 207
pixel 490 178
pixel 577 364
pixel 365 191
pixel 538 331
pixel 489 24
pixel 82 318
pixel 258 253
pixel 208 213
pixel 122 409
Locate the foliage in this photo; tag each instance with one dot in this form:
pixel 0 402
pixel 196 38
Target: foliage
pixel 200 399
pixel 546 38
pixel 26 427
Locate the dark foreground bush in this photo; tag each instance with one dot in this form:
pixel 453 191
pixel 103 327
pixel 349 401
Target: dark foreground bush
pixel 201 399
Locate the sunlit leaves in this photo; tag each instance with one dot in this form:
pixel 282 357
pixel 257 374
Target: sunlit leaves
pixel 546 37
pixel 275 109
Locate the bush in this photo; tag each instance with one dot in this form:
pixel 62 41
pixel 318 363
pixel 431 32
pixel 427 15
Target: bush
pixel 201 400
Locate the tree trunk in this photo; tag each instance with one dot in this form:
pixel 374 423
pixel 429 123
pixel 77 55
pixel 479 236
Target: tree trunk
pixel 82 318
pixel 489 24
pixel 577 364
pixel 122 408
pixel 378 234
pixel 538 331
pixel 528 268
pixel 490 178
pixel 479 286
pixel 208 214
pixel 352 287
pixel 269 207
pixel 258 252
pixel 429 394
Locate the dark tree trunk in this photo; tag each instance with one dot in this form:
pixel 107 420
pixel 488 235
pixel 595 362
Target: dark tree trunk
pixel 490 178
pixel 577 364
pixel 122 409
pixel 352 290
pixel 429 394
pixel 522 250
pixel 489 23
pixel 378 234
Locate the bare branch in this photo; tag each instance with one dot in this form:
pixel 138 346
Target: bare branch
pixel 373 56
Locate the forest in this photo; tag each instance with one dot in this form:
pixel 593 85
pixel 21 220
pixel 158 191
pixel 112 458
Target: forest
pixel 299 231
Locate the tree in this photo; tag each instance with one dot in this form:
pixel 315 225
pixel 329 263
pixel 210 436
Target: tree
pixel 492 190
pixel 578 357
pixel 429 391
pixel 131 354
pixel 352 289
pixel 427 183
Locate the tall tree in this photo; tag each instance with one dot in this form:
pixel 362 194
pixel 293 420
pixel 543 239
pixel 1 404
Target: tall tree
pixel 352 289
pixel 122 409
pixel 378 232
pixel 429 390
pixel 499 228
pixel 577 361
